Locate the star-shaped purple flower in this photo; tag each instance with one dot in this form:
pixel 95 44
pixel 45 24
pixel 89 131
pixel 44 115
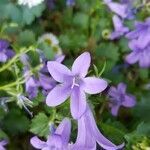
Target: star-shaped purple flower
pixel 141 34
pixel 2 144
pixel 58 140
pixel 120 29
pixel 118 97
pixel 89 135
pixel 140 55
pixel 74 84
pixel 5 52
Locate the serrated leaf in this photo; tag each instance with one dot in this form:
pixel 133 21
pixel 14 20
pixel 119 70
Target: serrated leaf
pixel 40 125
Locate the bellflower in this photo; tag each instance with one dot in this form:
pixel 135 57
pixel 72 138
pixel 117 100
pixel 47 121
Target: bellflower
pixel 2 144
pixel 141 34
pixel 30 3
pixel 138 54
pixel 124 10
pixel 89 135
pixel 120 29
pixel 31 84
pixel 5 52
pixel 74 84
pixel 57 140
pixel 118 97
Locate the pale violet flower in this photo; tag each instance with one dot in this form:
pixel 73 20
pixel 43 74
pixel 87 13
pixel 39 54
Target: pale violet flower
pixel 2 144
pixel 5 52
pixel 119 97
pixel 120 29
pixel 57 140
pixel 74 84
pixel 89 135
pixel 30 3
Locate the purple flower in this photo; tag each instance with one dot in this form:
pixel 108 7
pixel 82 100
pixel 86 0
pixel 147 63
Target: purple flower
pixel 141 34
pixel 73 83
pixel 2 144
pixel 57 140
pixel 124 10
pixel 118 97
pixel 89 135
pixel 138 54
pixel 5 52
pixel 31 85
pixel 120 29
pixel 70 2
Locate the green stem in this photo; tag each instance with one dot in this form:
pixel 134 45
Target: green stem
pixel 14 59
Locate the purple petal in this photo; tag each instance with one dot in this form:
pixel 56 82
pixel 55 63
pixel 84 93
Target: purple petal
pixel 78 103
pixel 10 53
pixel 102 141
pixel 93 85
pixel 60 58
pixel 115 109
pixel 3 57
pixel 119 9
pixel 64 129
pixel 37 143
pixel 3 44
pixel 144 60
pixel 129 101
pixel 46 82
pixel 58 95
pixel 122 88
pixel 115 35
pixel 117 22
pixel 58 71
pixel 132 58
pixel 81 64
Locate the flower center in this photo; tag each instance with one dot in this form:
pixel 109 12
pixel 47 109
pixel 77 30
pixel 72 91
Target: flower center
pixel 75 82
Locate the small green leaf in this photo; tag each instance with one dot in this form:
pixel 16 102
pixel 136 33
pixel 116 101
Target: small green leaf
pixel 40 125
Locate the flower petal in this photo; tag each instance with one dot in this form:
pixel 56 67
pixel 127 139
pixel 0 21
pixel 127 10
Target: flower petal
pixel 58 71
pixel 129 101
pixel 37 143
pixel 132 58
pixel 58 95
pixel 3 57
pixel 64 129
pixel 115 109
pixel 78 103
pixel 81 64
pixel 122 88
pixel 93 85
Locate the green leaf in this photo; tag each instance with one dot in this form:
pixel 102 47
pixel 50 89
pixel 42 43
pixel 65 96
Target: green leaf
pixel 29 14
pixel 26 38
pixel 40 125
pixel 15 122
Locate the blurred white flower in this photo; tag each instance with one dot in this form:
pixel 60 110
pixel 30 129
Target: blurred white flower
pixel 30 3
pixel 52 41
pixel 50 38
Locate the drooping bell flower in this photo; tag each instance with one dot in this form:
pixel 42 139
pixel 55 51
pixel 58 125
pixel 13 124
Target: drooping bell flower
pixel 73 83
pixel 2 144
pixel 58 140
pixel 89 135
pixel 119 97
pixel 5 52
pixel 120 29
